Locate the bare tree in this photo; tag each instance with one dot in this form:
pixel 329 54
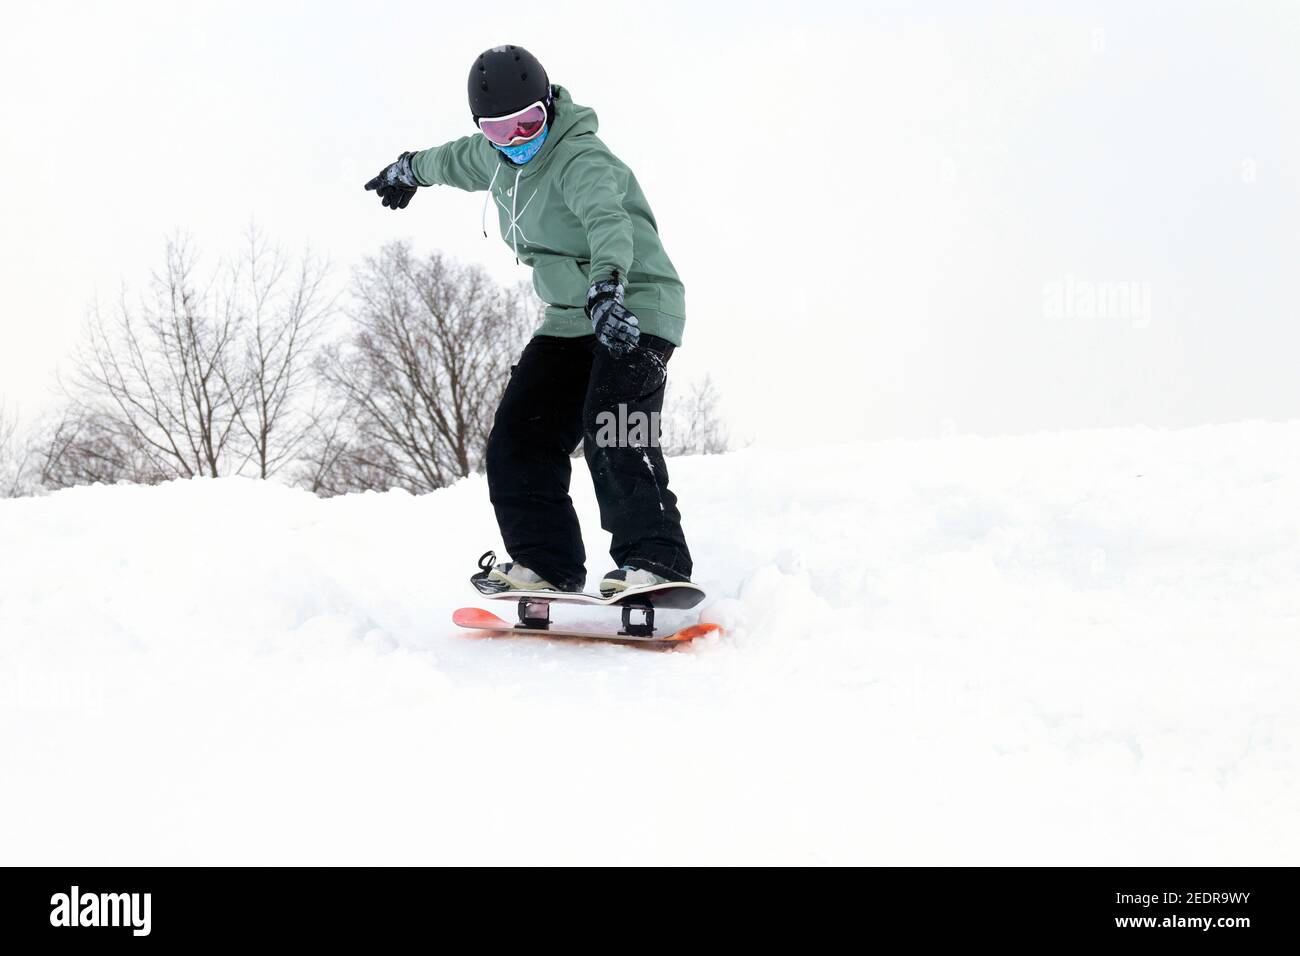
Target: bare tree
pixel 338 459
pixel 15 478
pixel 322 464
pixel 158 377
pixel 282 317
pixel 208 375
pixel 694 425
pixel 81 447
pixel 418 381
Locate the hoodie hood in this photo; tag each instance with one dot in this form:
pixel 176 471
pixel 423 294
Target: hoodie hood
pixel 570 120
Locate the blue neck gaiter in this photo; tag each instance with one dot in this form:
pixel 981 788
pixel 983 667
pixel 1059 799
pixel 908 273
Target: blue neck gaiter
pixel 524 151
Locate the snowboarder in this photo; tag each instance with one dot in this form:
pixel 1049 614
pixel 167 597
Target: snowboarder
pixel 571 210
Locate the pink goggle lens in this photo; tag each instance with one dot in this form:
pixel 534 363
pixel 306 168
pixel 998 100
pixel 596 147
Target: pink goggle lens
pixel 513 130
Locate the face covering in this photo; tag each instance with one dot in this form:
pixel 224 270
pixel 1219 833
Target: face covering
pixel 524 151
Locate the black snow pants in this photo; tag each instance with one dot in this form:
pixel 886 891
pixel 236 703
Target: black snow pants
pixel 562 391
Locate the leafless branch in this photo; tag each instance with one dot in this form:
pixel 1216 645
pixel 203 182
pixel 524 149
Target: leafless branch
pixel 15 458
pixel 418 380
pixel 207 375
pixel 693 423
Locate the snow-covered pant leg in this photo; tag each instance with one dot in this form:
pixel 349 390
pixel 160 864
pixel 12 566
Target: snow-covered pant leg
pixel 626 462
pixel 537 426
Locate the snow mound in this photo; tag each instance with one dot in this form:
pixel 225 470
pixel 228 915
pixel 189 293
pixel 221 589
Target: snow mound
pixel 1064 648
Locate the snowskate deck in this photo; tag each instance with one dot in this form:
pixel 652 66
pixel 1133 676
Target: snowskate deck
pixel 673 595
pixel 476 618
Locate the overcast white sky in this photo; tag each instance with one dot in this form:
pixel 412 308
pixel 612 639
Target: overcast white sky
pixel 870 259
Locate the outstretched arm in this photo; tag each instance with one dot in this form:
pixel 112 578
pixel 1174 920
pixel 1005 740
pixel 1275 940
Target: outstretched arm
pixel 464 163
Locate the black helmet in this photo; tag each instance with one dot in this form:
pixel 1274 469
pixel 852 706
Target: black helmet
pixel 506 79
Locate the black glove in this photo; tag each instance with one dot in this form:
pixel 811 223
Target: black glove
pixel 615 327
pixel 397 183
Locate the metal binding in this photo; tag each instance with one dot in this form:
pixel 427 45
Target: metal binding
pixel 645 627
pixel 534 613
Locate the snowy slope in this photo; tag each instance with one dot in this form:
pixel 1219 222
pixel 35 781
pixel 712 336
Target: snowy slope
pixel 1076 648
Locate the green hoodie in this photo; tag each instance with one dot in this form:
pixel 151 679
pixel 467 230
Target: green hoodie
pixel 575 214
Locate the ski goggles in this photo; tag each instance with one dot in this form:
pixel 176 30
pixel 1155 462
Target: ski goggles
pixel 516 128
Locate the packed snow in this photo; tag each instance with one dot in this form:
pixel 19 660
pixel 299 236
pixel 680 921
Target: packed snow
pixel 1063 648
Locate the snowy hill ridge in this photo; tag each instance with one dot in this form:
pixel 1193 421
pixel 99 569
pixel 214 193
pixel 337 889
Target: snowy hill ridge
pixel 1076 647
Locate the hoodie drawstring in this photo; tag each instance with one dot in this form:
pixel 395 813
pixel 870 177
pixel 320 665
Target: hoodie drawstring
pixel 514 219
pixel 482 219
pixel 515 230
